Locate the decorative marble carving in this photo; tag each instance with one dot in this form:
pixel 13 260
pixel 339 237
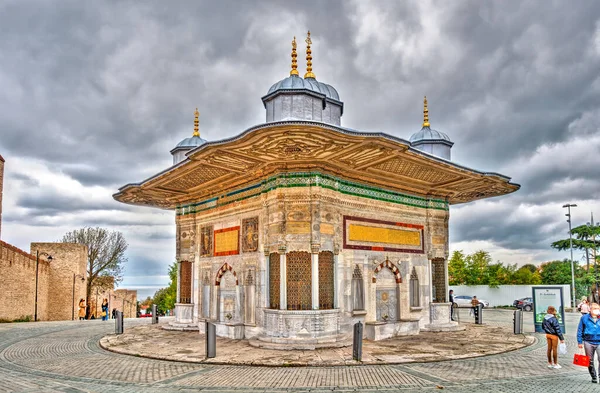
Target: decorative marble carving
pixel 206 241
pixel 250 234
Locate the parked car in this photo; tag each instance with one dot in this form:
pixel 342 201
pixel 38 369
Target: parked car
pixel 465 301
pixel 524 303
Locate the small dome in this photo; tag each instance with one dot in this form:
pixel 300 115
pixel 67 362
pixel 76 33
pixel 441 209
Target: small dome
pixel 294 82
pixel 429 134
pixel 191 142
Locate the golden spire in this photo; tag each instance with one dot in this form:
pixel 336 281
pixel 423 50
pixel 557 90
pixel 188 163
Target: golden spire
pixel 294 70
pixel 309 73
pixel 425 113
pixel 196 115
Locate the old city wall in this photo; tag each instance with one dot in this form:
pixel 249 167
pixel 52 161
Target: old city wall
pixel 68 261
pixel 17 297
pixel 124 300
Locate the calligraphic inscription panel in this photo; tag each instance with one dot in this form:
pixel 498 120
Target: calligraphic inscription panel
pixel 274 280
pixel 299 280
pixel 377 235
pixel 250 234
pixel 206 241
pixel 227 241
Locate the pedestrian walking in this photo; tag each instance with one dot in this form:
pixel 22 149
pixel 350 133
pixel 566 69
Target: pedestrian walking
pixel 81 313
pixel 105 309
pixel 114 313
pixel 588 337
pixel 584 306
pixel 553 334
pixel 474 305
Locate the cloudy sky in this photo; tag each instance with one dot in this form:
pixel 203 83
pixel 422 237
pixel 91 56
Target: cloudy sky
pixel 93 95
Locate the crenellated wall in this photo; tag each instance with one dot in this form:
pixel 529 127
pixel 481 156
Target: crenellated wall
pixel 17 284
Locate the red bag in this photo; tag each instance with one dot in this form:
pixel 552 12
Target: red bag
pixel 581 360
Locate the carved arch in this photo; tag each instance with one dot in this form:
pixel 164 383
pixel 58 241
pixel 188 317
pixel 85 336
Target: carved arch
pixel 390 266
pixel 224 269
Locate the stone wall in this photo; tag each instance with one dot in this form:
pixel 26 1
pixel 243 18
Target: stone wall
pixel 17 285
pixel 124 300
pixel 105 289
pixel 1 190
pixel 68 259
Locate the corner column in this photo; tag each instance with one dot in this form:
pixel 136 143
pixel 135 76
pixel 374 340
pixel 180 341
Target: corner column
pixel 336 253
pixel 315 275
pixel 282 279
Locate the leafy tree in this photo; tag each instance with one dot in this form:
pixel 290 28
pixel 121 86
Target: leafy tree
pixel 165 298
pixel 106 253
pixel 559 273
pixel 457 268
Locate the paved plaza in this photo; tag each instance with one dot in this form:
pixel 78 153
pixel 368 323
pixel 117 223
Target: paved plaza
pixel 66 357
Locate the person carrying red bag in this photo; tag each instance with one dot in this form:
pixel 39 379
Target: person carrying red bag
pixel 588 337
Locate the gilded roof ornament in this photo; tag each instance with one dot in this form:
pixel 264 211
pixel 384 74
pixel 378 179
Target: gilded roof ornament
pixel 309 73
pixel 196 122
pixel 425 113
pixel 294 70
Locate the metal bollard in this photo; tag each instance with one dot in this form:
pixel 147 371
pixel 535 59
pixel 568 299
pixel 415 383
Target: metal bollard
pixel 119 322
pixel 478 314
pixel 154 314
pixel 211 340
pixel 518 322
pixel 357 342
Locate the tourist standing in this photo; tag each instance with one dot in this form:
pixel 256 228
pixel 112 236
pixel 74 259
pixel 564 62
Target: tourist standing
pixel 588 337
pixel 105 309
pixel 81 313
pixel 553 334
pixel 452 304
pixel 584 307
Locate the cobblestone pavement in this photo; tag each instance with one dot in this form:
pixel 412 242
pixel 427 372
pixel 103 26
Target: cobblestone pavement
pixel 66 357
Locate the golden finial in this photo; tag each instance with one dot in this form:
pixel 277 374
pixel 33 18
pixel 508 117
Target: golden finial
pixel 425 113
pixel 196 115
pixel 294 70
pixel 309 73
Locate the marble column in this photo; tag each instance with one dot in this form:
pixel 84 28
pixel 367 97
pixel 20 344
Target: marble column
pixel 315 277
pixel 336 285
pixel 282 280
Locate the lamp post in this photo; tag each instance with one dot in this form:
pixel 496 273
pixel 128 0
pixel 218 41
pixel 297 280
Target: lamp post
pixel 73 305
pixel 37 269
pixel 569 206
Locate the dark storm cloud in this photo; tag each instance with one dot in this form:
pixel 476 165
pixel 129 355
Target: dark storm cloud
pixel 101 91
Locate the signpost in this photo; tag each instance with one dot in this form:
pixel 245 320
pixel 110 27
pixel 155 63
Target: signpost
pixel 544 297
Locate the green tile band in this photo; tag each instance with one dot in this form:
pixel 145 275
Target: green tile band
pixel 312 179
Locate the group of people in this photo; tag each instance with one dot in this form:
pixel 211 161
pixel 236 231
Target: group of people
pixel 588 335
pixel 84 310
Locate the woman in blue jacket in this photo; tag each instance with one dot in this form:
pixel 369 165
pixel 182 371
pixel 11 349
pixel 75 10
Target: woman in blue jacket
pixel 588 337
pixel 553 334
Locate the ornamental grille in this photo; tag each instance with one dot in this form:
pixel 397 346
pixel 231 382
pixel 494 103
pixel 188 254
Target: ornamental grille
pixel 325 280
pixel 299 280
pixel 415 300
pixel 185 288
pixel 274 280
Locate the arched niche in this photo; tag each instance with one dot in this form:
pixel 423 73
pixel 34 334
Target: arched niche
pixel 386 282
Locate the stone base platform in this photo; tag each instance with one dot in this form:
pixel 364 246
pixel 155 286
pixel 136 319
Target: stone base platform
pixel 443 327
pixel 477 340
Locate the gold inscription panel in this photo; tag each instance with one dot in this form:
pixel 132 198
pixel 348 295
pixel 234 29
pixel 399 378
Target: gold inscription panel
pixel 227 241
pixel 371 234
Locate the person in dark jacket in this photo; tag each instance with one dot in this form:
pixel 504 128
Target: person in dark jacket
pixel 553 334
pixel 588 337
pixel 452 304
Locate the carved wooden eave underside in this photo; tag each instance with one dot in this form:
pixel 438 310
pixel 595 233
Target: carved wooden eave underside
pixel 373 159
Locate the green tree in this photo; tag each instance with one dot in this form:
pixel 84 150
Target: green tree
pixel 559 273
pixel 457 268
pixel 165 298
pixel 106 253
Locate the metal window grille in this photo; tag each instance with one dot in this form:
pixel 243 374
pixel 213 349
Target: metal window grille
pixel 299 280
pixel 185 288
pixel 274 280
pixel 326 284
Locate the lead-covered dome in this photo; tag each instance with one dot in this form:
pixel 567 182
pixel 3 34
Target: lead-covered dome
pixel 193 141
pixel 295 82
pixel 188 144
pixel 429 140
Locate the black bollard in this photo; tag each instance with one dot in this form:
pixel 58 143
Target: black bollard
pixel 119 322
pixel 357 342
pixel 478 314
pixel 211 340
pixel 518 322
pixel 154 314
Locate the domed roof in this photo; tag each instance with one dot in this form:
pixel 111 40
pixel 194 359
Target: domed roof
pixel 429 134
pixel 294 82
pixel 191 142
